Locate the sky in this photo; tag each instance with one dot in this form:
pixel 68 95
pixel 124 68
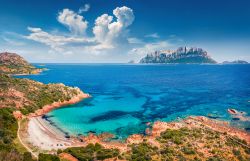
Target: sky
pixel 117 31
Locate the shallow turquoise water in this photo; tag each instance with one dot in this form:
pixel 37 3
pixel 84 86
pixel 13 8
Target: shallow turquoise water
pixel 125 97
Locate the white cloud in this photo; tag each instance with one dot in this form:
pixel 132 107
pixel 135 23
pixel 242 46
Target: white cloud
pixel 110 35
pixel 76 23
pixel 150 47
pixel 154 35
pixel 58 43
pixel 134 40
pixel 108 32
pixel 101 28
pixel 125 15
pixel 85 8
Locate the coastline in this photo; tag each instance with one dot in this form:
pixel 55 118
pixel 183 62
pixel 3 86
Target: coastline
pixel 46 137
pixel 47 108
pixel 41 135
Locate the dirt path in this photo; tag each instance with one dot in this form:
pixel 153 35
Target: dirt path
pixel 18 136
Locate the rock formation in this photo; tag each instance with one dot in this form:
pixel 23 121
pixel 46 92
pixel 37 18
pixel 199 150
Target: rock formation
pixel 182 55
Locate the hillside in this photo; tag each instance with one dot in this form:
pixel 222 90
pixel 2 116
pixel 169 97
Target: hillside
pixel 182 55
pixel 28 95
pixel 11 63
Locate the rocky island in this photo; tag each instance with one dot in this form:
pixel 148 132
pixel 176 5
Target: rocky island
pixel 235 62
pixel 182 55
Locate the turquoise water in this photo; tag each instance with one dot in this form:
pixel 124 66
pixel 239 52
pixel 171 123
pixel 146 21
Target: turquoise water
pixel 125 97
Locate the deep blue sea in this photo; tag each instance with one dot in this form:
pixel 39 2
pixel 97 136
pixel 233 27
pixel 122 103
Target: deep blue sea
pixel 125 97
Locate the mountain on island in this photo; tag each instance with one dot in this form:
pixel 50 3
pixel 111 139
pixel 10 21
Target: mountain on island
pixel 235 62
pixel 11 63
pixel 182 55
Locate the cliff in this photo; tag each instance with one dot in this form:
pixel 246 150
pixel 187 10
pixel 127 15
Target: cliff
pixel 182 55
pixel 11 63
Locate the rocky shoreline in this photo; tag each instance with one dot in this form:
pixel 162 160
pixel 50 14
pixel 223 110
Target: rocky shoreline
pixel 47 108
pixel 153 132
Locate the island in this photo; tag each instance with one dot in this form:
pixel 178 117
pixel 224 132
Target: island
pixel 182 55
pixel 26 135
pixel 235 62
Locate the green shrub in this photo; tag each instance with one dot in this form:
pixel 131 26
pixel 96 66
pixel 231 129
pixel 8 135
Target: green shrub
pixel 27 156
pixel 188 151
pixel 142 151
pixel 48 157
pixel 92 152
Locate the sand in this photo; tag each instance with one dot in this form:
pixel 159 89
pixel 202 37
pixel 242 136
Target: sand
pixel 45 136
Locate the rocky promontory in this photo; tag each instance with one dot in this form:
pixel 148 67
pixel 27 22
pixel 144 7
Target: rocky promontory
pixel 30 96
pixel 12 63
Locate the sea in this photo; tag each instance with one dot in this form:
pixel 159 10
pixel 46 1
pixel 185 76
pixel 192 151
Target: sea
pixel 127 96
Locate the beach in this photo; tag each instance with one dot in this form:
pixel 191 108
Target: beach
pixel 40 134
pixel 45 136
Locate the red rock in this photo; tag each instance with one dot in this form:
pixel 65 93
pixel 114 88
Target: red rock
pixel 18 115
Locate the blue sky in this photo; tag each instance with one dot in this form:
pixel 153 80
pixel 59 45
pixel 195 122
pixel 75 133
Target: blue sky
pixel 122 30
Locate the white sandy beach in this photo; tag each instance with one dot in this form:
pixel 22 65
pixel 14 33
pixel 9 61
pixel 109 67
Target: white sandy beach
pixel 45 136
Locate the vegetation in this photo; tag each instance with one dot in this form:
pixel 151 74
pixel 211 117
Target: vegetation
pixel 142 151
pixel 174 144
pixel 190 144
pixel 48 157
pixel 92 152
pixel 8 133
pixel 28 95
pixel 11 63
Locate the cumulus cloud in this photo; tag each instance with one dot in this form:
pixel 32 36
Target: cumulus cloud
pixel 85 8
pixel 56 42
pixel 76 23
pixel 107 31
pixel 110 33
